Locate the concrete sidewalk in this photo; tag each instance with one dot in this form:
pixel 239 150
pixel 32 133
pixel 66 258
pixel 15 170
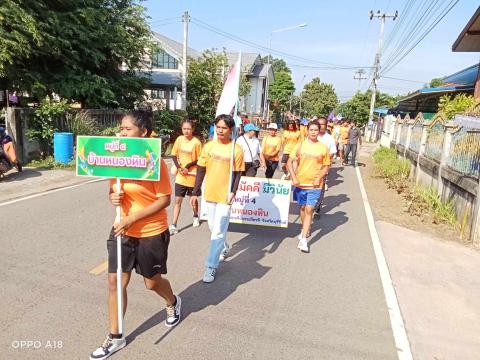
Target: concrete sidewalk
pixel 437 286
pixel 438 290
pixel 32 181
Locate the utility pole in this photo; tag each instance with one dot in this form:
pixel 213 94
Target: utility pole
pixel 186 20
pixel 360 77
pixel 376 66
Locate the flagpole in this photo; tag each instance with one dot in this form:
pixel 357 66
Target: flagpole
pixel 235 129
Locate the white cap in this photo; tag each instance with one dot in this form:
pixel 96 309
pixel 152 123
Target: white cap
pixel 272 126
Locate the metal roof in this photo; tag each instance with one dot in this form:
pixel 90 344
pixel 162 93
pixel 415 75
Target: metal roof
pixel 173 47
pixel 469 38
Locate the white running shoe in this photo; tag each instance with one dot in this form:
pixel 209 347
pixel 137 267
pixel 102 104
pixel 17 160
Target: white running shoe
pixel 303 245
pixel 173 229
pixel 173 313
pixel 224 253
pixel 196 222
pixel 108 347
pixel 209 275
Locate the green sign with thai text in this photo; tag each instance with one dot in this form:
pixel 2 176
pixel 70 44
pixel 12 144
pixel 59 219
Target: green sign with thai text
pixel 119 157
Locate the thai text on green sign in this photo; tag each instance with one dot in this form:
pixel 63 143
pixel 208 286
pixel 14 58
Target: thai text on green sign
pixel 119 157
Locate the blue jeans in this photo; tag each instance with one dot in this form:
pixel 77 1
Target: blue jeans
pixel 218 216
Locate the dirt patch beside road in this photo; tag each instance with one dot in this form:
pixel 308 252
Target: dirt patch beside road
pixel 387 205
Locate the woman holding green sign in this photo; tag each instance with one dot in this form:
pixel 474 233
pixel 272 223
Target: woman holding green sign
pixel 145 238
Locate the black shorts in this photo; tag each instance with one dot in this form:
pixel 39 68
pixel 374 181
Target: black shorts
pixel 182 190
pixel 285 158
pixel 147 255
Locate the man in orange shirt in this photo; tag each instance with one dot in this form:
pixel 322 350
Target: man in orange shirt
pixel 343 140
pixel 313 159
pixel 214 166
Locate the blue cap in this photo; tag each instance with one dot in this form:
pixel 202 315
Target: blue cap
pixel 304 122
pixel 2 129
pixel 250 127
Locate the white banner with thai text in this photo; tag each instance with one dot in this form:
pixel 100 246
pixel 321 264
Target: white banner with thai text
pixel 262 201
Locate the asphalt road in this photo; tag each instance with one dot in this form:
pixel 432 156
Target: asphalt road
pixel 269 301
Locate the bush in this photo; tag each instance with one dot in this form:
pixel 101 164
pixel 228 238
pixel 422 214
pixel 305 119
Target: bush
pixel 44 122
pixel 80 123
pixel 166 122
pixel 50 163
pixel 110 131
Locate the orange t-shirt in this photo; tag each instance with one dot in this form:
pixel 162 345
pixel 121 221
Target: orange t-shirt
pixel 271 146
pixel 138 194
pixel 187 151
pixel 344 134
pixel 303 132
pixel 215 157
pixel 290 139
pixel 312 156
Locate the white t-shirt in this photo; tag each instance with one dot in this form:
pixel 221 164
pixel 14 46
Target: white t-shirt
pixel 254 148
pixel 329 142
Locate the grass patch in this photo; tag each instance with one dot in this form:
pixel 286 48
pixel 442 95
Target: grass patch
pixel 420 200
pixel 49 163
pixel 395 171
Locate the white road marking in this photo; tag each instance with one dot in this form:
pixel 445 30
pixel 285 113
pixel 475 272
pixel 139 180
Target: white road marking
pixel 50 192
pixel 398 327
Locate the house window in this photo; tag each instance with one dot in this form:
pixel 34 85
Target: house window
pixel 162 94
pixel 161 60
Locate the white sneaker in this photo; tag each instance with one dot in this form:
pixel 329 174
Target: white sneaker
pixel 174 313
pixel 224 253
pixel 326 187
pixel 173 229
pixel 209 275
pixel 303 245
pixel 196 222
pixel 108 347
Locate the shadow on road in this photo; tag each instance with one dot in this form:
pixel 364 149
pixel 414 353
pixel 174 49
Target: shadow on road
pixel 242 268
pixel 18 176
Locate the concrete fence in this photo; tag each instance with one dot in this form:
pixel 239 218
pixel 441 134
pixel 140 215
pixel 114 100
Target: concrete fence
pixel 444 154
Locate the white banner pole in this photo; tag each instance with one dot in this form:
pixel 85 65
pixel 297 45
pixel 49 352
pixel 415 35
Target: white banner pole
pixel 119 269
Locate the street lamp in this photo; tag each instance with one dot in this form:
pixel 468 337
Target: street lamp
pixel 268 61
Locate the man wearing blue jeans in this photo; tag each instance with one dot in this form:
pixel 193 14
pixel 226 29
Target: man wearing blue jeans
pixel 214 165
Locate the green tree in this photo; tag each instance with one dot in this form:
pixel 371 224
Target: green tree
pixel 78 50
pixel 318 98
pixel 278 65
pixel 205 85
pixel 436 82
pixel 358 107
pixel 280 92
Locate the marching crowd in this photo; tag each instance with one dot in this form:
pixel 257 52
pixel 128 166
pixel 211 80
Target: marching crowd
pixel 304 150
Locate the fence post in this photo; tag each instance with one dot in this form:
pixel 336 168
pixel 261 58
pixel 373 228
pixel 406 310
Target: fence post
pixel 409 135
pixel 392 131
pixel 447 142
pixel 421 151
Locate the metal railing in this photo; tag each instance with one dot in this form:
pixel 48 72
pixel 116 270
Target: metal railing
pixel 434 142
pixel 416 137
pixel 464 155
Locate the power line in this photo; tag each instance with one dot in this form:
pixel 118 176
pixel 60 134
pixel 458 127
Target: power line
pixel 400 79
pixel 390 67
pixel 230 36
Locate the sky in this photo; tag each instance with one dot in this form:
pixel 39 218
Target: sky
pixel 338 32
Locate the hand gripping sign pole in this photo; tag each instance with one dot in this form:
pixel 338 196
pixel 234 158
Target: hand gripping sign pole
pixel 119 268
